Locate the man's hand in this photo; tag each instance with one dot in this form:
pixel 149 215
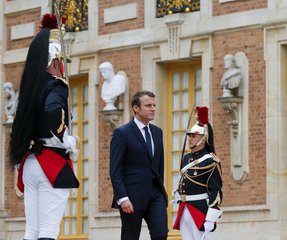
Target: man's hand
pixel 208 226
pixel 127 206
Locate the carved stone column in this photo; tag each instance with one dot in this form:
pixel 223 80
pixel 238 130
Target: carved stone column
pixel 239 165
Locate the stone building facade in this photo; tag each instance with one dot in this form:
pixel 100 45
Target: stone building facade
pixel 179 56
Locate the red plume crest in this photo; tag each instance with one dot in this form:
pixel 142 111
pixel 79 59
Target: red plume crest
pixel 64 20
pixel 49 21
pixel 202 115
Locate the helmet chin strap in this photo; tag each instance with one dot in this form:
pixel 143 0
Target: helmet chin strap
pixel 203 139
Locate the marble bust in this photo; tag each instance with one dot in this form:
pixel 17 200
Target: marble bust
pixel 232 76
pixel 113 86
pixel 11 101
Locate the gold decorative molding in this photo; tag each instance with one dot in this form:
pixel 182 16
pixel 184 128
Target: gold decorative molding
pixel 76 13
pixel 165 7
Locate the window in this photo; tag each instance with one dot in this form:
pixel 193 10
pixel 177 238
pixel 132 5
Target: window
pixel 75 221
pixel 184 91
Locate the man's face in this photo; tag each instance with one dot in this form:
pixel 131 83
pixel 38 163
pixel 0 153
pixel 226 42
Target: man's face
pixel 58 66
pixel 146 112
pixel 193 139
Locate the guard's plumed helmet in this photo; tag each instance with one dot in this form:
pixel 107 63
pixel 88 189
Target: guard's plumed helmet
pixel 203 128
pixel 55 47
pixel 200 127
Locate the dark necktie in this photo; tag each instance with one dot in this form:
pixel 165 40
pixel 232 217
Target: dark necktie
pixel 148 140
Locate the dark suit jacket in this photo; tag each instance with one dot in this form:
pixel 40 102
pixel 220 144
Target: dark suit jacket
pixel 132 169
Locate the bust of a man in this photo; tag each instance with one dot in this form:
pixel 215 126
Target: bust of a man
pixel 113 86
pixel 231 77
pixel 11 101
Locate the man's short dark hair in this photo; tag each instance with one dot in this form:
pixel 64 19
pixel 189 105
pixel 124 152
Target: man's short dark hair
pixel 138 95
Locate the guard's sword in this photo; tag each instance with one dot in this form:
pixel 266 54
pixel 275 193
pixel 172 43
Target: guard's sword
pixel 203 236
pixel 57 13
pixel 185 137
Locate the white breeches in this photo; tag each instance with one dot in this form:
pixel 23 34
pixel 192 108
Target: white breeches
pixel 188 229
pixel 44 205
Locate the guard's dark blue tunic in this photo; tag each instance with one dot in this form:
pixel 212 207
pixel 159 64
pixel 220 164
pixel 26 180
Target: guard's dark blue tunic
pixel 52 118
pixel 204 177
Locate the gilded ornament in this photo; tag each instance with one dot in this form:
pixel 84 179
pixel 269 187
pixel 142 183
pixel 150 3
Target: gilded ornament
pixel 178 4
pixel 76 13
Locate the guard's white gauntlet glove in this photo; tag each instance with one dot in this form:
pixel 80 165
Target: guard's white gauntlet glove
pixel 175 197
pixel 70 143
pixel 208 226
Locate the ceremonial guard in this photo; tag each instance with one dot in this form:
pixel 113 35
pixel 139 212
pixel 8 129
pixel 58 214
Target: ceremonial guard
pixel 41 145
pixel 199 192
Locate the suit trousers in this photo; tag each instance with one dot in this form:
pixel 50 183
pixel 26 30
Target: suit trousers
pixel 44 205
pixel 154 214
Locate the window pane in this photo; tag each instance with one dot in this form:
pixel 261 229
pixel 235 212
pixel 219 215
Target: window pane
pixel 184 120
pixel 198 98
pixel 85 93
pixel 75 165
pixel 175 81
pixel 85 226
pixel 74 192
pixel 74 226
pixel 85 187
pixel 185 103
pixel 175 179
pixel 175 121
pixel 85 207
pixel 74 207
pixel 85 150
pixel 66 226
pixel 74 95
pixel 85 112
pixel 85 168
pixel 185 80
pixel 175 101
pixel 198 78
pixel 85 131
pixel 74 113
pixel 176 161
pixel 175 141
pixel 75 129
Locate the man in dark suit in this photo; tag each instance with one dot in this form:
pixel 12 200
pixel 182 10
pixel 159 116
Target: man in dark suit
pixel 136 169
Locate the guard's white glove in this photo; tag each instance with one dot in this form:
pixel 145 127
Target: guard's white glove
pixel 208 226
pixel 70 143
pixel 175 197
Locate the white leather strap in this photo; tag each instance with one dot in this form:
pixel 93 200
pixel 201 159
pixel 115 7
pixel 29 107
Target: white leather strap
pixel 193 163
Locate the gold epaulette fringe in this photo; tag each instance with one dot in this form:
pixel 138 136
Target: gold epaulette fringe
pixel 215 158
pixel 61 79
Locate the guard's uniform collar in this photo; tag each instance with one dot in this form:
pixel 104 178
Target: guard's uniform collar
pixel 199 153
pixel 61 79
